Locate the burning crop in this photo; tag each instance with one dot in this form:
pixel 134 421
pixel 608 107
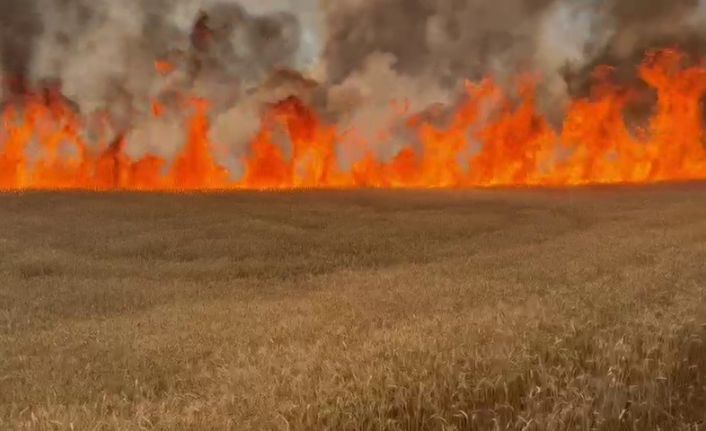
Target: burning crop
pixel 550 95
pixel 489 139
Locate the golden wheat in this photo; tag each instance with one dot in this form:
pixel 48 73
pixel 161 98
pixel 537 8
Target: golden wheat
pixel 520 310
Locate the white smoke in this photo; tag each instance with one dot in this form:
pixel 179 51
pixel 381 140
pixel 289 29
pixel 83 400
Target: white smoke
pixel 569 37
pixel 367 55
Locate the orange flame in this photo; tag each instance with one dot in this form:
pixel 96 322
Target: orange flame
pixel 164 68
pixel 490 139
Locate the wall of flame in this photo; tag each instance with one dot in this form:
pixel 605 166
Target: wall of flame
pixel 491 139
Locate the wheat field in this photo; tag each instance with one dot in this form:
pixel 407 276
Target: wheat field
pixel 578 309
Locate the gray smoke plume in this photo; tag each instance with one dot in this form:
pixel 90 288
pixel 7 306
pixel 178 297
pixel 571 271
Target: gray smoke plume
pixel 634 27
pixel 451 38
pixel 20 27
pixel 457 39
pixel 363 55
pixel 433 45
pixel 103 51
pixel 101 54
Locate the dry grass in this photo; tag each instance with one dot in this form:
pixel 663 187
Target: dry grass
pixel 524 310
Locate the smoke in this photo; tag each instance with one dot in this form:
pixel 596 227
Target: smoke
pixel 432 46
pixel 103 50
pixel 419 53
pixel 363 55
pixel 19 29
pixel 450 40
pixel 630 28
pixel 445 41
pixel 102 54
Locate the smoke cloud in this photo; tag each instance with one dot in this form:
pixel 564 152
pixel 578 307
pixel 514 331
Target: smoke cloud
pixel 102 54
pixel 101 50
pixel 349 58
pixel 20 27
pixel 436 44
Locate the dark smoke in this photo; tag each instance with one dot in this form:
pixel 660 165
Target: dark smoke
pixel 442 41
pixel 103 51
pixel 422 50
pixel 20 26
pixel 453 38
pixel 639 27
pixel 448 40
pixel 101 54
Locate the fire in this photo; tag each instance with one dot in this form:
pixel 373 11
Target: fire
pixel 313 159
pixel 195 167
pixel 492 138
pixel 164 68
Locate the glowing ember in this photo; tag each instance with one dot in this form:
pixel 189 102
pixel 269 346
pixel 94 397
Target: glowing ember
pixel 163 67
pixel 489 140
